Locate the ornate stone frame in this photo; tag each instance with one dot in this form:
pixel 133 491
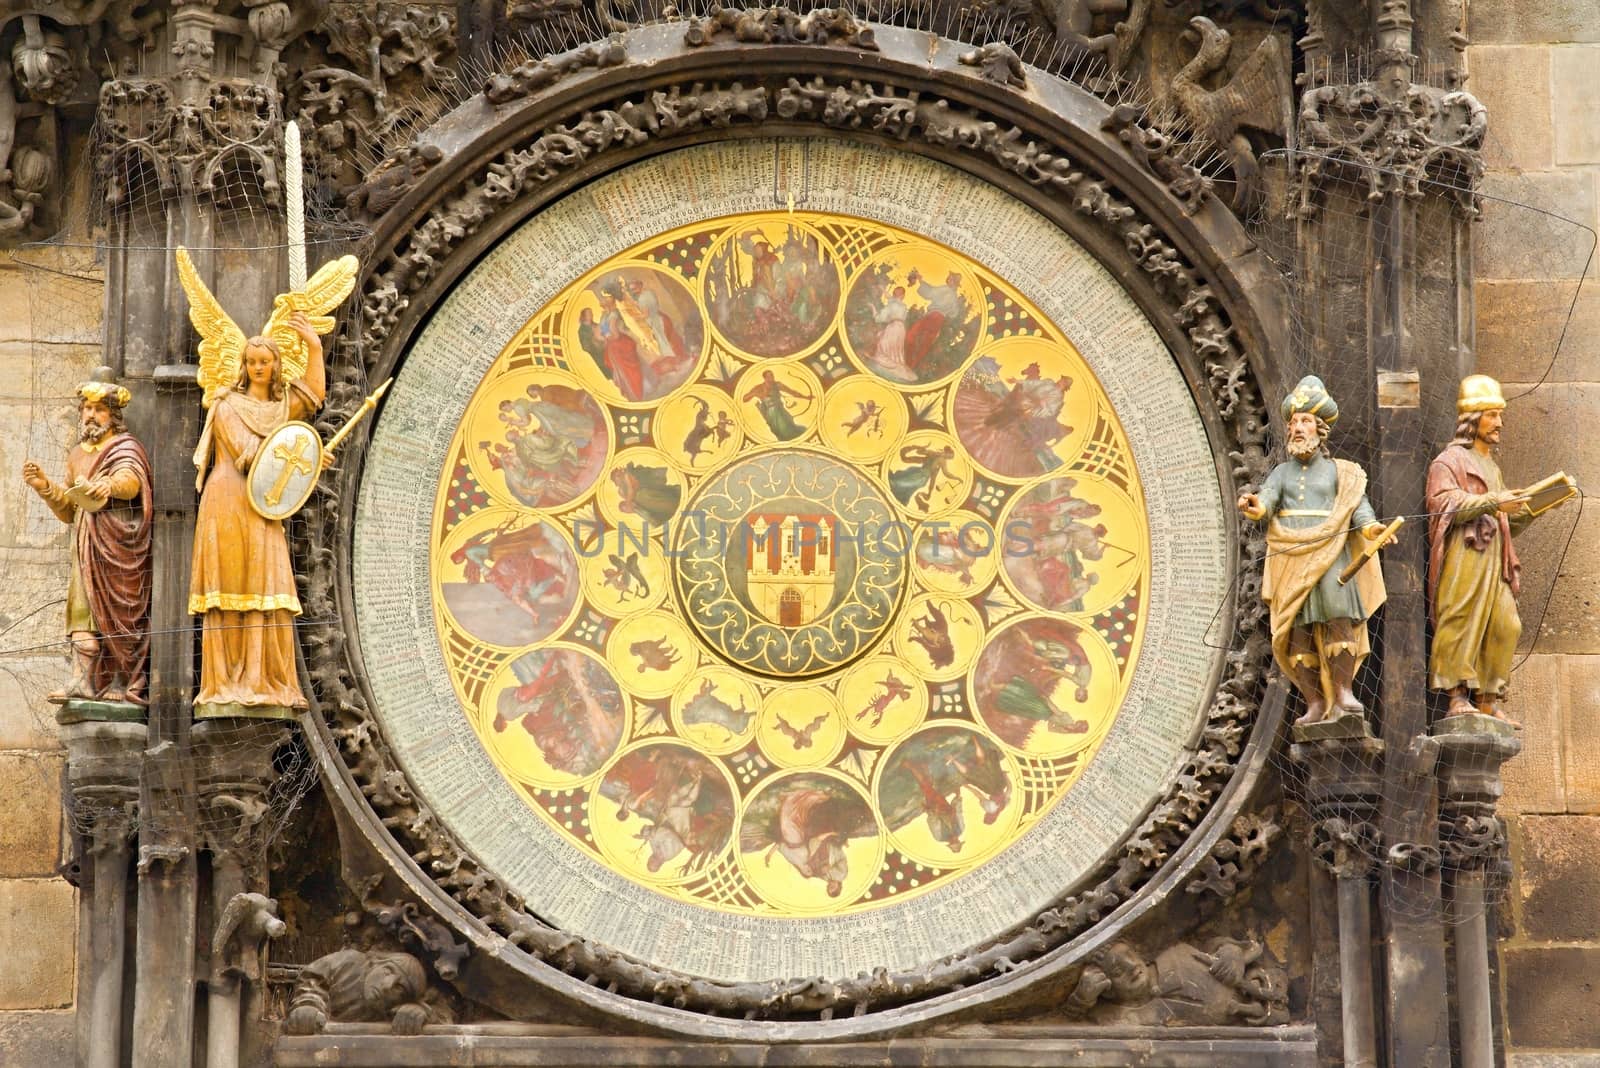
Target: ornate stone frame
pixel 549 127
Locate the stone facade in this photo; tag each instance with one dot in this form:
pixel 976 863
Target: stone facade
pixel 1532 66
pixel 43 355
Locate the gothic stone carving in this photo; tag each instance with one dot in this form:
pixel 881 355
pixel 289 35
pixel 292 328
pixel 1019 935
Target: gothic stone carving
pixel 1153 148
pixel 149 136
pixel 1256 97
pixel 1235 859
pixel 996 62
pixel 1182 986
pixel 411 928
pixel 1419 858
pixel 534 75
pixel 1344 847
pixel 356 986
pixel 779 25
pixel 1394 145
pixel 829 103
pixel 246 924
pixel 1473 840
pixel 369 75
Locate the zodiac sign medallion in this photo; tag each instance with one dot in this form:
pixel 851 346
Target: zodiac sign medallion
pixel 790 564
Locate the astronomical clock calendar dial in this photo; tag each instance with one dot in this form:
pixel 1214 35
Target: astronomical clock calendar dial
pixel 766 589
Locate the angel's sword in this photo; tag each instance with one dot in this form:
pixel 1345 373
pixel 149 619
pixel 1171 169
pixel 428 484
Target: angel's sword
pixel 294 207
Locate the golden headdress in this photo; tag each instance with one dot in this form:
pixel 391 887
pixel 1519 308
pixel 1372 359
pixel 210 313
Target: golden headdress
pixel 1479 393
pixel 102 387
pixel 222 343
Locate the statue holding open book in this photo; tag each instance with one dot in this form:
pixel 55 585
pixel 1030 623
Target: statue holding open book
pixel 1474 575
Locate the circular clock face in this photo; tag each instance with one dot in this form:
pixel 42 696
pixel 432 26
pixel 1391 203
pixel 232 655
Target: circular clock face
pixel 789 591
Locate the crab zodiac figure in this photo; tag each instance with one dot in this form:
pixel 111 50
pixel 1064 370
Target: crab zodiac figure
pixel 242 583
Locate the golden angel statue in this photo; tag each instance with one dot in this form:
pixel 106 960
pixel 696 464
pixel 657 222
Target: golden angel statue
pixel 242 581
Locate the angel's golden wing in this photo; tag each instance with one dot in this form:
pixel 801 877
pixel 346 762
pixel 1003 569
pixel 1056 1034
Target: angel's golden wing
pixel 324 291
pixel 221 349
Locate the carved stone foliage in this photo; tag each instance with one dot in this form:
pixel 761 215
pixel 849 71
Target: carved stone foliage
pixel 1155 149
pixel 1393 145
pixel 675 113
pixel 534 75
pixel 1473 840
pixel 1344 847
pixel 779 25
pixel 1230 982
pixel 410 927
pixel 151 142
pixel 1235 859
pixel 368 77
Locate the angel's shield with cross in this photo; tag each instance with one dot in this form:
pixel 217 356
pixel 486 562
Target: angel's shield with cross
pixel 284 470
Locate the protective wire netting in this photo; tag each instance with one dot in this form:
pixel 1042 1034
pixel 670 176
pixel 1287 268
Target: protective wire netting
pixel 124 225
pixel 1325 240
pixel 124 220
pixel 359 96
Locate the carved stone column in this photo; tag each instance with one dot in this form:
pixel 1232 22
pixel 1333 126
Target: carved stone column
pixel 1344 779
pixel 103 775
pixel 233 774
pixel 1473 843
pixel 188 155
pixel 1387 170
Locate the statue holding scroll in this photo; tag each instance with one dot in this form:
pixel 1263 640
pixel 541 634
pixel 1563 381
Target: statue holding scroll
pixel 105 495
pixel 242 582
pixel 1318 522
pixel 1473 572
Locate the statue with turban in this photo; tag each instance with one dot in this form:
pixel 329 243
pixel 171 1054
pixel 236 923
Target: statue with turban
pixel 1316 511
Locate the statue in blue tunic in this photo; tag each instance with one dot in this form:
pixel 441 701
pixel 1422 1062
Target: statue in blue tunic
pixel 1317 515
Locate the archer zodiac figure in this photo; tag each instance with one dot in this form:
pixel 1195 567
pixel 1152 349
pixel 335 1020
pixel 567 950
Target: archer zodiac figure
pixel 1317 517
pixel 242 583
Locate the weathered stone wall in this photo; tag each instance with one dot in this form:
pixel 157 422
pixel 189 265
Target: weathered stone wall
pixel 1533 65
pixel 50 327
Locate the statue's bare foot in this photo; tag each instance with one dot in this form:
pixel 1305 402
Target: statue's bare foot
pixel 1348 705
pixel 1460 705
pixel 115 697
pixel 1316 712
pixel 77 688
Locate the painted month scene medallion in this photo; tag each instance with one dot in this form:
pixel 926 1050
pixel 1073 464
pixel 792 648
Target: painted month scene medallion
pixel 789 564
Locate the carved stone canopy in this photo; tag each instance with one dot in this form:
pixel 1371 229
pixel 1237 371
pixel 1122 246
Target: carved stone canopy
pixel 1187 266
